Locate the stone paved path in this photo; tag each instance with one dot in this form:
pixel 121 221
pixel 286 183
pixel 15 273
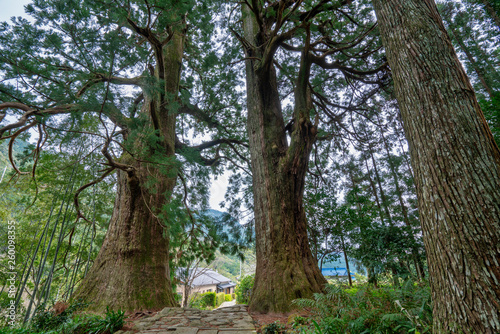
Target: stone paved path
pixel 173 320
pixel 228 304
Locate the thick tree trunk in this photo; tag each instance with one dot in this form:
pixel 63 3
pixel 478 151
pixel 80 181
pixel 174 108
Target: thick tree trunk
pixel 131 271
pixel 456 164
pixel 286 269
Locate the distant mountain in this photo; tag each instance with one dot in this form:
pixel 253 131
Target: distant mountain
pixel 340 263
pixel 19 146
pixel 229 225
pixel 230 265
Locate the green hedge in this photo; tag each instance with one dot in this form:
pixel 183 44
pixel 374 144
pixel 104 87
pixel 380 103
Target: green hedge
pixel 220 298
pixel 228 298
pixel 208 299
pixel 244 289
pixel 203 301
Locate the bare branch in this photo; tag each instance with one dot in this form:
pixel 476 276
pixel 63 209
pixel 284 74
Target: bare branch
pixel 101 77
pixel 79 214
pixel 24 118
pixel 11 146
pixel 198 114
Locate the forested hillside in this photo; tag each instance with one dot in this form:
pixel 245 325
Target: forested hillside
pixel 355 134
pixel 17 151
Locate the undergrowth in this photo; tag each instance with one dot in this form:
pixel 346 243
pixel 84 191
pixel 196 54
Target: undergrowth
pixel 365 309
pixel 69 320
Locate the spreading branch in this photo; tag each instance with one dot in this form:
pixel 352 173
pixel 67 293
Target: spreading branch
pixel 79 214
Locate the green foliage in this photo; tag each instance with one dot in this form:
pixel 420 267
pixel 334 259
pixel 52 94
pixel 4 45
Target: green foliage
pixel 228 297
pixel 4 300
pixel 203 301
pixel 70 321
pixel 299 322
pixel 365 309
pixel 491 109
pixel 244 289
pixel 274 328
pixel 221 297
pixel 208 299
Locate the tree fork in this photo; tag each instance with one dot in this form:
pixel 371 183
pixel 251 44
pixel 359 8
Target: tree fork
pixel 286 268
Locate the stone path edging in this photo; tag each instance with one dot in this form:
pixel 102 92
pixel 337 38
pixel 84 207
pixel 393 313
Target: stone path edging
pixel 174 320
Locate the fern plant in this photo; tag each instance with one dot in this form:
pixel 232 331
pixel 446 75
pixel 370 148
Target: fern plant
pixel 370 310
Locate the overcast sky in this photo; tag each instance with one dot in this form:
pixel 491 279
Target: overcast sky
pixel 9 8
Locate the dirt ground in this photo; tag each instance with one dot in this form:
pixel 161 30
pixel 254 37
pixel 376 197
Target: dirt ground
pixel 262 320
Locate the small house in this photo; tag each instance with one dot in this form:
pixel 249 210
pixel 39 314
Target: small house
pixel 203 280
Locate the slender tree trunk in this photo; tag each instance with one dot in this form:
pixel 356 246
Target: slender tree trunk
pixel 456 164
pixel 286 268
pixel 370 272
pixel 346 261
pixel 404 209
pixel 379 183
pixel 375 193
pixel 475 66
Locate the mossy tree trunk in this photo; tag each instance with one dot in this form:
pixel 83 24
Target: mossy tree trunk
pixel 131 271
pixel 456 164
pixel 286 269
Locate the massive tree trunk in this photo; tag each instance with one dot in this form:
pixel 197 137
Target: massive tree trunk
pixel 286 269
pixel 131 271
pixel 456 164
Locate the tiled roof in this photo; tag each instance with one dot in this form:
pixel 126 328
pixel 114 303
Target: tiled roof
pixel 226 285
pixel 205 276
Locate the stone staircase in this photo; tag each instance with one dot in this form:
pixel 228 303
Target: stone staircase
pixel 173 320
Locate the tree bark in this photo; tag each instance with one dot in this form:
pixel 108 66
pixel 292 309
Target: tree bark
pixel 131 271
pixel 286 269
pixel 346 261
pixel 456 164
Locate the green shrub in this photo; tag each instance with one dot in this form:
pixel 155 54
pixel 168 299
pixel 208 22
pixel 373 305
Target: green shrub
pixel 228 298
pixel 195 301
pixel 208 299
pixel 220 298
pixel 244 289
pixel 4 300
pixel 67 322
pixel 299 321
pixel 274 328
pixel 47 319
pixel 365 309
